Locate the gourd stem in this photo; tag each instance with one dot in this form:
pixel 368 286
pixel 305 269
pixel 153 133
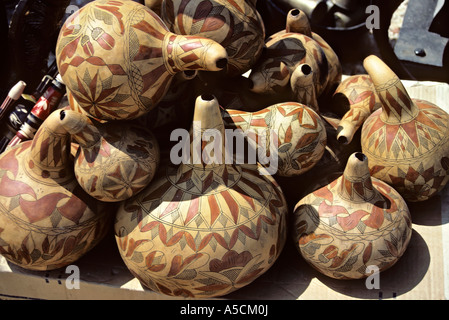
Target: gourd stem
pixel 49 154
pixel 207 136
pixel 298 22
pixel 355 184
pixel 83 131
pixel 397 106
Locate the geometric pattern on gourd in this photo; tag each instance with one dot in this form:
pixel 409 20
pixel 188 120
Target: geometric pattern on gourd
pixel 361 95
pixel 212 232
pixel 333 63
pixel 290 51
pixel 35 207
pixel 295 151
pixel 411 156
pixel 390 94
pixel 349 223
pixel 305 92
pixel 294 49
pixel 51 233
pixel 415 182
pixel 148 76
pixel 238 29
pixel 88 56
pixel 52 146
pixel 224 208
pixel 120 166
pixel 419 137
pixel 114 180
pixel 126 55
pixel 315 58
pixel 339 238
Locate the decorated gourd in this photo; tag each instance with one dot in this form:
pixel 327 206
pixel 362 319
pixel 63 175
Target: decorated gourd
pixel 358 98
pixel 297 130
pixel 406 140
pixel 289 49
pixel 206 227
pixel 354 225
pixel 47 221
pixel 236 25
pixel 117 58
pixel 114 161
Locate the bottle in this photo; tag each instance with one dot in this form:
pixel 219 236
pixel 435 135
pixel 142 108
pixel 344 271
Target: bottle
pixel 46 104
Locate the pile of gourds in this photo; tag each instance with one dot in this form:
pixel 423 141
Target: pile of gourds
pixel 155 93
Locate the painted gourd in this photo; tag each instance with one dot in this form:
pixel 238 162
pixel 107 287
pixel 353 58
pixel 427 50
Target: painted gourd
pixel 357 95
pixel 47 221
pixel 117 58
pixel 329 167
pixel 406 140
pixel 236 25
pixel 114 161
pixel 354 225
pixel 174 110
pixel 298 22
pixel 286 52
pixel 297 130
pixel 206 228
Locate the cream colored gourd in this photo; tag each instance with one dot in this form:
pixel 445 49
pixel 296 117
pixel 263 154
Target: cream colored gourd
pixel 47 221
pixel 353 225
pixel 114 161
pixel 406 140
pixel 204 229
pixel 118 58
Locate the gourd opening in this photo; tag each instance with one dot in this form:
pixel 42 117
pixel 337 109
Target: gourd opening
pixel 295 12
pixel 190 73
pixel 221 63
pixel 342 140
pixel 207 97
pixel 360 156
pixel 306 69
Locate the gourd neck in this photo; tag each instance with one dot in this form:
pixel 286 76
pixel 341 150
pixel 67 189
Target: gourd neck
pixel 49 155
pixel 184 52
pixel 207 168
pixel 298 22
pixel 303 86
pixel 397 106
pixel 207 148
pixel 81 128
pixel 355 185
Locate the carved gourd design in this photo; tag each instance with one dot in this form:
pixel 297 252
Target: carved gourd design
pixel 299 132
pixel 286 52
pixel 353 223
pixel 47 221
pixel 203 229
pixel 114 161
pixel 236 25
pixel 357 95
pixel 117 58
pixel 406 140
